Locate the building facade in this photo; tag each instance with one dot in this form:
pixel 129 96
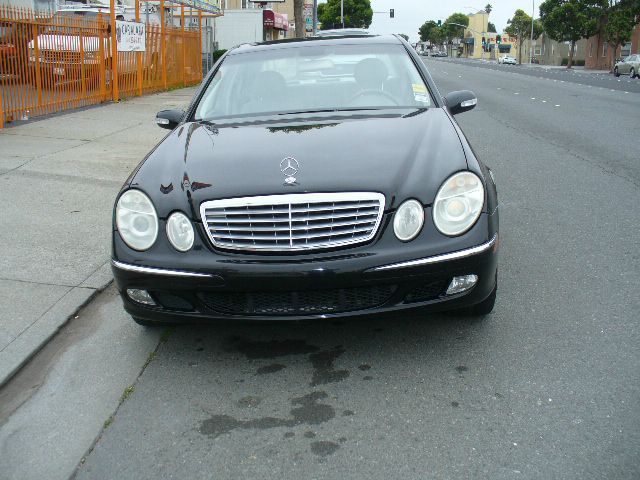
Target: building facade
pixel 601 57
pixel 547 51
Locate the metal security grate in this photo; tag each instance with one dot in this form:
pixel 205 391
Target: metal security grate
pixel 306 221
pixel 316 302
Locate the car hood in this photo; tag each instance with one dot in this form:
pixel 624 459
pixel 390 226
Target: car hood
pixel 401 156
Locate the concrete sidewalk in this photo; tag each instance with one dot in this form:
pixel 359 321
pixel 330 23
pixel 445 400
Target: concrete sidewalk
pixel 58 180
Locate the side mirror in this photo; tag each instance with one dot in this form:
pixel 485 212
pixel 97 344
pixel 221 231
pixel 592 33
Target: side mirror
pixel 169 119
pixel 460 101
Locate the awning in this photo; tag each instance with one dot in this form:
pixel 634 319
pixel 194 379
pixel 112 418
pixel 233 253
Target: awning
pixel 469 40
pixel 504 47
pixel 272 19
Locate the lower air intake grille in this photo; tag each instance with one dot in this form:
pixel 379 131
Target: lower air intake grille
pixel 316 302
pixel 427 291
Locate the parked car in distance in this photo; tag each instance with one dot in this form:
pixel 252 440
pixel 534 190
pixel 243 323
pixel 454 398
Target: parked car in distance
pixel 507 60
pixel 309 179
pixel 628 66
pixel 439 54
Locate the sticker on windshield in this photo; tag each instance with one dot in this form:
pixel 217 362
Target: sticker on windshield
pixel 417 88
pixel 420 93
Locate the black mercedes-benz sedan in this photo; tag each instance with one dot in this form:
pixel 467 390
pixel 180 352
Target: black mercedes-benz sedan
pixel 310 178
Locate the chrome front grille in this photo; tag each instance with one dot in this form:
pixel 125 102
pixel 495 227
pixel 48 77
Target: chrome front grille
pixel 306 221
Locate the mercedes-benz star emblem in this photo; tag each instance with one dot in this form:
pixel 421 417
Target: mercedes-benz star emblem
pixel 289 167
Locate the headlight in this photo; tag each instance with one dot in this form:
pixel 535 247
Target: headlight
pixel 136 220
pixel 458 203
pixel 180 231
pixel 408 220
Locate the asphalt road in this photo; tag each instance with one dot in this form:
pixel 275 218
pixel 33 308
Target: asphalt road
pixel 603 80
pixel 546 387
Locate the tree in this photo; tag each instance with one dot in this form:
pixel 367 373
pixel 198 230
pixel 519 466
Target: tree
pixel 520 26
pixel 298 16
pixel 491 28
pixel 406 37
pixel 449 30
pixel 617 30
pixel 571 20
pixel 426 31
pixel 357 14
pixel 488 8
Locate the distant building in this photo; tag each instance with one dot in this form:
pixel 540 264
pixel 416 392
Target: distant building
pixel 471 45
pixel 600 56
pixel 37 5
pixel 550 52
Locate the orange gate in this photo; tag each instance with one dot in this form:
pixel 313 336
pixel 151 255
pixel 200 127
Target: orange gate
pixel 55 62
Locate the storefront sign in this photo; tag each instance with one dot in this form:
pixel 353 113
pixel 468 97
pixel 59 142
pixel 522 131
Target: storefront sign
pixel 278 21
pixel 130 36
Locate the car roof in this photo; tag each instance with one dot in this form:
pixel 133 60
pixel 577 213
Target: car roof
pixel 310 41
pixel 339 32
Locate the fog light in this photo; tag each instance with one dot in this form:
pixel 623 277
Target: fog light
pixel 140 296
pixel 461 284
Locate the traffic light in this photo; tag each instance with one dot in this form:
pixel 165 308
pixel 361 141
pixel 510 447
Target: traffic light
pixel 498 40
pixel 392 13
pixel 484 41
pixel 439 23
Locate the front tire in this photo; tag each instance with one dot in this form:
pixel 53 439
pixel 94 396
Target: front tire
pixel 632 73
pixel 615 72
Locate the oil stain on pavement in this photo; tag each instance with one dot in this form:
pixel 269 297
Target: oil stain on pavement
pixel 307 412
pixel 308 409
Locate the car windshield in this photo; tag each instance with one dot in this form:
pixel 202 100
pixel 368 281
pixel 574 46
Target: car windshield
pixel 313 78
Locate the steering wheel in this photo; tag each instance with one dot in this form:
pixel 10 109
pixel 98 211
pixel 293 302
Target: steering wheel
pixel 379 93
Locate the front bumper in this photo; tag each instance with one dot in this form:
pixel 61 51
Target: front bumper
pixel 342 284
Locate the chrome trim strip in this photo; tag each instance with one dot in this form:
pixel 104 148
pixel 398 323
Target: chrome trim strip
pixel 157 271
pixel 287 200
pixel 441 258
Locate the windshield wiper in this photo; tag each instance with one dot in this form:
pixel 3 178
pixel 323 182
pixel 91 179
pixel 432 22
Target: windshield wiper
pixel 417 112
pixel 331 110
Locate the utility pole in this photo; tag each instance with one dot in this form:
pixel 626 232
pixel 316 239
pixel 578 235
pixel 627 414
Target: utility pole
pixel 533 12
pixel 315 17
pixel 342 12
pixel 298 15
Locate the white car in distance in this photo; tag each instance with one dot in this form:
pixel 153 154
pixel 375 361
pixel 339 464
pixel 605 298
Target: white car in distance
pixel 507 60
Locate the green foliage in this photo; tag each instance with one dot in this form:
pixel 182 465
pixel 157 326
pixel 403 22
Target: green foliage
pixel 565 62
pixel 357 14
pixel 217 54
pixel 488 9
pixel 491 28
pixel 571 20
pixel 428 31
pixel 619 26
pixel 450 31
pixel 519 26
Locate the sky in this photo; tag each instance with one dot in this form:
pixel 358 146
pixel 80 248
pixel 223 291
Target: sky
pixel 411 14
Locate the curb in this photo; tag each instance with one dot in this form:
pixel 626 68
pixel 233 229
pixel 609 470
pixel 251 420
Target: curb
pixel 18 353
